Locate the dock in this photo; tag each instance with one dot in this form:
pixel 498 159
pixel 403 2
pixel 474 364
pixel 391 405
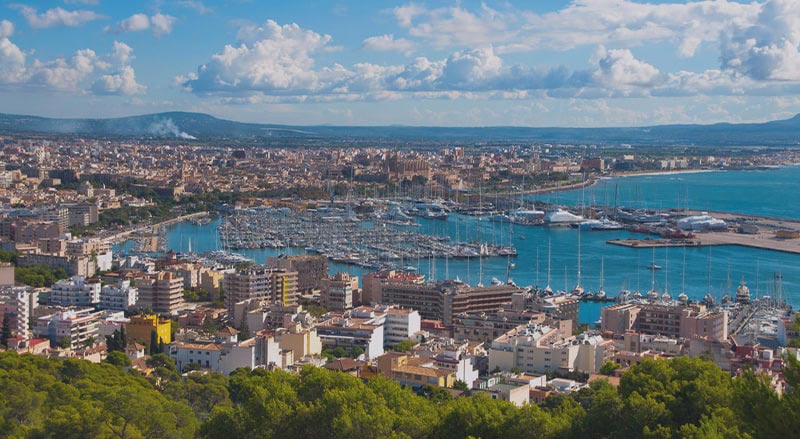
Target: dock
pixel 655 243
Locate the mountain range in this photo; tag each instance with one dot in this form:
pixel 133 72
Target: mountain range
pixel 204 127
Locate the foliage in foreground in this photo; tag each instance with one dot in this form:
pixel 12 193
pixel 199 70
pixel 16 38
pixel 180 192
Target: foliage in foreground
pixel 686 398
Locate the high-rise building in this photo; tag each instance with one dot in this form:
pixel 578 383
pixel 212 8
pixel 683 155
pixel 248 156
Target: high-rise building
pixel 310 269
pixel 18 304
pixel 120 297
pixel 75 291
pixel 259 283
pixel 446 299
pixel 337 292
pixel 671 319
pixel 161 293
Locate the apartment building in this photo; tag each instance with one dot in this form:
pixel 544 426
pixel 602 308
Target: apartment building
pixel 120 296
pixel 541 349
pixel 161 293
pixel 261 284
pixel 310 269
pixel 371 288
pixel 446 299
pixel 671 319
pixel 75 291
pixel 18 303
pixel 338 292
pixel 74 327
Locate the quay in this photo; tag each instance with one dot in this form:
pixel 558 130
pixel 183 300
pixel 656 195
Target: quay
pixel 657 243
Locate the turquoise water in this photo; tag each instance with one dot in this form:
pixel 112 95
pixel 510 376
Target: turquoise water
pixel 756 192
pixel 769 193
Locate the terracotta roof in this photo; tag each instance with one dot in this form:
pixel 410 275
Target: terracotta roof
pixel 343 365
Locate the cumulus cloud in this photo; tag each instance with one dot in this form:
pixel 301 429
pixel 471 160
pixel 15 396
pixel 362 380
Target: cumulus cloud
pixel 56 17
pixel 109 74
pixel 271 58
pixel 121 83
pixel 768 49
pixel 580 23
pixel 160 24
pixel 197 5
pixel 618 68
pixel 6 28
pixel 388 43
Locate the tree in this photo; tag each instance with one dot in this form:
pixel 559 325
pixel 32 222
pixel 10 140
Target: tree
pixel 6 331
pixel 64 342
pixel 404 346
pixel 154 345
pixel 609 368
pixel 461 385
pixel 118 359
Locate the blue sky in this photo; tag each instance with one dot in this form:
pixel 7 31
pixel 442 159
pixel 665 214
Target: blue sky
pixel 531 63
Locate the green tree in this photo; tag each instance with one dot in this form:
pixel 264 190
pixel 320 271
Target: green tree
pixel 404 346
pixel 6 331
pixel 118 358
pixel 609 367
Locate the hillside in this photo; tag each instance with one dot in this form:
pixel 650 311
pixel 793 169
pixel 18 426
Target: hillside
pixel 204 127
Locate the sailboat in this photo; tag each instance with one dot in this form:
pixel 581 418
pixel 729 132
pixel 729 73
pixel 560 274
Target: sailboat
pixel 653 294
pixel 683 297
pixel 578 290
pixel 548 289
pixel 601 294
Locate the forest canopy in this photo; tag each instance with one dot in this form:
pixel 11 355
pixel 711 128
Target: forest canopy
pixel 683 397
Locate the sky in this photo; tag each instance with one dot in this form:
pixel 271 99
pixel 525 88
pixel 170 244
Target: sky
pixel 582 63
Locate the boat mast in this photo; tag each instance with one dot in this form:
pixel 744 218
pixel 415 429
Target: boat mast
pixel 653 271
pixel 548 264
pixel 602 269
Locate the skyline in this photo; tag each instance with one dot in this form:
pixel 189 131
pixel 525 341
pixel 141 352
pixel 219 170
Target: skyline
pixel 580 63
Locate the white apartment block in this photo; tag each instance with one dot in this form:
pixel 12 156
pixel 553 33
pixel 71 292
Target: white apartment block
pixel 539 349
pixel 18 303
pixel 75 291
pixel 119 297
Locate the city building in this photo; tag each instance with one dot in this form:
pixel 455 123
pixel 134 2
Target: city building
pixel 73 328
pixel 540 349
pixel 18 304
pixel 75 291
pixel 120 296
pixel 400 325
pixel 259 283
pixel 338 291
pixel 161 293
pixel 671 319
pixel 414 372
pixel 446 299
pixel 141 327
pixel 310 269
pixel 372 283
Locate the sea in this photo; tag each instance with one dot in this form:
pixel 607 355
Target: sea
pixel 696 271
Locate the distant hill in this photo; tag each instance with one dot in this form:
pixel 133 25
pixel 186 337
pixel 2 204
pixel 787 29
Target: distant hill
pixel 205 128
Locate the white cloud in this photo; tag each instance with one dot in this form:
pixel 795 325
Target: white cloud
pixel 121 83
pixel 134 23
pixel 56 17
pixel 580 23
pixel 271 58
pixel 70 74
pixel 160 24
pixel 12 62
pixel 768 49
pixel 618 68
pixel 197 5
pixel 388 43
pixel 122 53
pixel 6 28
